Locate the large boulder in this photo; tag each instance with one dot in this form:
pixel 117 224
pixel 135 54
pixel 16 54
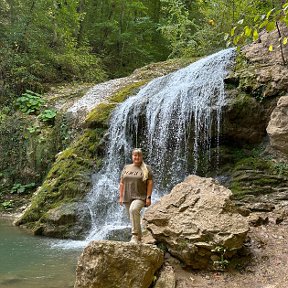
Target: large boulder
pixel 277 128
pixel 111 264
pixel 197 222
pixel 69 220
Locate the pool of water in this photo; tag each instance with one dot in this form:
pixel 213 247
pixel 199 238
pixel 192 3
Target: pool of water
pixel 27 261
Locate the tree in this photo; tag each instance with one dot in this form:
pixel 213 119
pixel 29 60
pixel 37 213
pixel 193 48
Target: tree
pixel 271 18
pixel 123 33
pixel 39 44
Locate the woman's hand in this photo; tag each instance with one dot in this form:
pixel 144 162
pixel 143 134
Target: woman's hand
pixel 120 201
pixel 148 202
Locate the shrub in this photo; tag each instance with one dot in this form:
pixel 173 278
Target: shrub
pixel 30 102
pixel 22 189
pixel 48 115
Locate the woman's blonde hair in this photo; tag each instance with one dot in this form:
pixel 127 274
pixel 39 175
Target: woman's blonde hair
pixel 143 166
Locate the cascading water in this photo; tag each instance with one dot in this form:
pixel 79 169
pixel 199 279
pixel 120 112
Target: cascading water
pixel 176 120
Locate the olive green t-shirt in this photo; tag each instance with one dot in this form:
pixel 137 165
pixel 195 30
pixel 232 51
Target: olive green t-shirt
pixel 134 186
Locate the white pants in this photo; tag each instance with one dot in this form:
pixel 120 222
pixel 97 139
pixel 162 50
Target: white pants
pixel 133 210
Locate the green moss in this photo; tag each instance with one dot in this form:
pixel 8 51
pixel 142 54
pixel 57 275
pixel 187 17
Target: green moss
pixel 246 73
pixel 252 163
pixel 69 178
pixel 99 116
pixel 257 176
pixel 244 108
pixel 127 91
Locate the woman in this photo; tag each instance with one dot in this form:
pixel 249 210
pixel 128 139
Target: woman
pixel 135 191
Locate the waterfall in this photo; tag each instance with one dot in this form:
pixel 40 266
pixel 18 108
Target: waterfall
pixel 176 120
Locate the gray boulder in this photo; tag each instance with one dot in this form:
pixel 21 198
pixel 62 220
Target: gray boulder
pixel 111 264
pixel 195 219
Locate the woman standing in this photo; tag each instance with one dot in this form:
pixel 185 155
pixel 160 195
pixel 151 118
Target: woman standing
pixel 135 191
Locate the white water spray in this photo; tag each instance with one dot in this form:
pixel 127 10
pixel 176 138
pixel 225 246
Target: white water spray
pixel 176 119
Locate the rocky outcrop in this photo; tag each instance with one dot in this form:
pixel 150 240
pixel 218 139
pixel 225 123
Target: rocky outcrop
pixel 266 67
pixel 259 77
pixel 278 126
pixel 244 120
pixel 69 180
pixel 254 178
pixel 196 218
pixel 111 264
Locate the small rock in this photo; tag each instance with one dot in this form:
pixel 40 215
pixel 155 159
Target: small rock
pixel 167 278
pixel 258 219
pixel 261 207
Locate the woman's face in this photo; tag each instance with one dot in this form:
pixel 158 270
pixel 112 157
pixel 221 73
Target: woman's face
pixel 137 158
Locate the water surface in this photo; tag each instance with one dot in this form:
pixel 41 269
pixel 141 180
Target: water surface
pixel 27 261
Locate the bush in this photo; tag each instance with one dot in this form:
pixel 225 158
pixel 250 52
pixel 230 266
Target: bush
pixel 22 189
pixel 48 115
pixel 79 65
pixel 30 102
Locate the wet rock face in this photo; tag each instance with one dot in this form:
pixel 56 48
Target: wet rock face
pixel 111 264
pixel 278 126
pixel 194 219
pixel 244 120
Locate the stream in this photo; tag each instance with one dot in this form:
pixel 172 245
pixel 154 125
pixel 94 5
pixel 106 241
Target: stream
pixel 27 261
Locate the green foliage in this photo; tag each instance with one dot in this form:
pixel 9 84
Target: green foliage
pixel 34 129
pixel 39 45
pixel 281 168
pixel 270 19
pixel 178 27
pixel 30 102
pixel 7 204
pixel 22 189
pixel 124 33
pixel 222 263
pixel 3 115
pixel 48 115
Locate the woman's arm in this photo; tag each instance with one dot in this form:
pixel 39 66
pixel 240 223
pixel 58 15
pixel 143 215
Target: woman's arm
pixel 149 192
pixel 121 191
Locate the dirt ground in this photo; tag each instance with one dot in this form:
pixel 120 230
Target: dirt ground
pixel 263 263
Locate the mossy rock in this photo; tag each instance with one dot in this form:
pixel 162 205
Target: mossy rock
pixel 32 146
pixel 245 73
pixel 68 180
pixel 244 120
pixel 100 115
pixel 258 176
pixel 124 93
